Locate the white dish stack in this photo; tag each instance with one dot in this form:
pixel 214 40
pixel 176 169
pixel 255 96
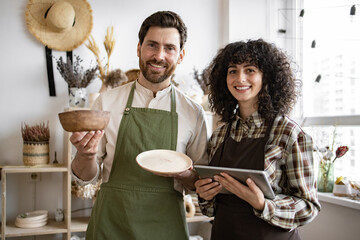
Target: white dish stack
pixel 32 219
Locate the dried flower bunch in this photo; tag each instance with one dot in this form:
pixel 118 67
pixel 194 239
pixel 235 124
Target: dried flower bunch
pixel 115 78
pixel 201 80
pixel 88 191
pixel 95 49
pixel 36 133
pixel 326 167
pixel 340 151
pixel 328 153
pixel 109 78
pixel 109 44
pixel 74 74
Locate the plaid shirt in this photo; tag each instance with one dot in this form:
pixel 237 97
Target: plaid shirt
pixel 288 165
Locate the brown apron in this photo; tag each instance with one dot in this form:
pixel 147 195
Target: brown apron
pixel 234 217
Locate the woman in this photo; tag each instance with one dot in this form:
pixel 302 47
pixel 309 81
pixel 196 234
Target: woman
pixel 252 89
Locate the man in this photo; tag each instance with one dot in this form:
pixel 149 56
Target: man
pixel 146 114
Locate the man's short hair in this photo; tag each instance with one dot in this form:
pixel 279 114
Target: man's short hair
pixel 164 19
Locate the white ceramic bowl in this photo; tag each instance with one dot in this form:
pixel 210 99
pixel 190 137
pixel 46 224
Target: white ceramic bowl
pixel 342 190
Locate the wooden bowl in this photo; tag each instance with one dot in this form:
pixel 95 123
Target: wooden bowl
pixel 84 120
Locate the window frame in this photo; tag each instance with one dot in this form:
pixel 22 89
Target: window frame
pixel 292 45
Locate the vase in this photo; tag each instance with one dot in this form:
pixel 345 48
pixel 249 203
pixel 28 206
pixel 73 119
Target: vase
pixel 103 88
pixel 59 215
pixel 77 97
pixel 35 153
pixel 325 181
pixel 92 97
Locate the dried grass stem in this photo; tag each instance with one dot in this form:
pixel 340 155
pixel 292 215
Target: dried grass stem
pixel 37 133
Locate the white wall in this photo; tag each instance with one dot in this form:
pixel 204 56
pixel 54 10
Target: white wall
pixel 249 20
pixel 333 222
pixel 24 94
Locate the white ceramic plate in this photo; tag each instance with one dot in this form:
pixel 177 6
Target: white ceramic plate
pixel 163 161
pixel 34 224
pixel 34 216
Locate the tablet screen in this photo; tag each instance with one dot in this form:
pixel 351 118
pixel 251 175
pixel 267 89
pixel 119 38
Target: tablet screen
pixel 258 176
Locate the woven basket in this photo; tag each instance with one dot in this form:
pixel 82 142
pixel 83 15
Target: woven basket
pixel 35 153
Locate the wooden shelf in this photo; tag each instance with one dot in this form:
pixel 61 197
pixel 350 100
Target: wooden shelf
pixel 9 229
pixel 31 169
pixel 52 227
pixel 79 224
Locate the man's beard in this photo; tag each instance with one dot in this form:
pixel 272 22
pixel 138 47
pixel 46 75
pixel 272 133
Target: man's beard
pixel 155 78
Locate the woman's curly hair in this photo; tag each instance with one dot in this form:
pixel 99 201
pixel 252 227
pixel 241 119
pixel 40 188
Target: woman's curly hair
pixel 279 90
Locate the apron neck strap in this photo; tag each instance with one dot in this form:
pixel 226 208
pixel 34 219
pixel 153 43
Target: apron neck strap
pixel 131 96
pixel 173 102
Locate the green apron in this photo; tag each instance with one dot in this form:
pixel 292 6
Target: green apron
pixel 134 203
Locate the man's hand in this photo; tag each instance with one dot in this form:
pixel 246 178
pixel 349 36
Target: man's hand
pixel 84 165
pixel 187 178
pixel 86 143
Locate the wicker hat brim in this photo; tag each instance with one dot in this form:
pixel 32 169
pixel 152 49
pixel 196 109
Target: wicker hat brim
pixel 61 41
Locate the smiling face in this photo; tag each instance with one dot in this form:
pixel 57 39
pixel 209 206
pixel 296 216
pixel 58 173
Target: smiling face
pixel 158 56
pixel 244 82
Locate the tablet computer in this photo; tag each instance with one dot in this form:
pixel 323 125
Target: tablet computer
pixel 258 176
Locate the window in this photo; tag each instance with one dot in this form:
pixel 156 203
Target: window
pixel 334 57
pixel 332 102
pixel 329 70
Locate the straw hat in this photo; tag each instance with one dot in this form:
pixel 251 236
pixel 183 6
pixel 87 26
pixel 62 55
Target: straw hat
pixel 59 25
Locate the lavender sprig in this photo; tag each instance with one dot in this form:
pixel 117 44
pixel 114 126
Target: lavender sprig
pixel 74 73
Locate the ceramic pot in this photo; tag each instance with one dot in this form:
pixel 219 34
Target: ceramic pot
pixel 77 97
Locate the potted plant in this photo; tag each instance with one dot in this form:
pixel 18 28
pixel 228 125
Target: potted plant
pixel 36 143
pixel 325 181
pixel 77 79
pixel 326 169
